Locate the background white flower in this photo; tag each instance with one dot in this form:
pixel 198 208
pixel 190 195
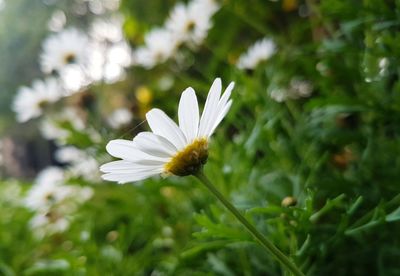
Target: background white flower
pixel 80 163
pixel 261 50
pixel 190 23
pixel 30 101
pixel 111 53
pixel 119 118
pixel 51 126
pixel 54 202
pixel 169 148
pixel 159 46
pixel 297 89
pixel 48 190
pixel 69 46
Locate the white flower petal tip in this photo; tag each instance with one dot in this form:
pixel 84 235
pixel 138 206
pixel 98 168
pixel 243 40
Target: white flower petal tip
pixel 169 148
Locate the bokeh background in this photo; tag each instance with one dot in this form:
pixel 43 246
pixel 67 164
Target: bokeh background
pixel 310 150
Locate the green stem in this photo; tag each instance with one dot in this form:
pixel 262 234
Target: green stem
pixel 269 246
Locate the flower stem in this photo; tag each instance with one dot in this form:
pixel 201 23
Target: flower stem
pixel 269 246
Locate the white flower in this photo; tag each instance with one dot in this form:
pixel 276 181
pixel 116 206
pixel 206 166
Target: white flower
pixel 30 101
pixel 262 50
pixel 169 148
pixel 54 202
pixel 48 190
pixel 119 118
pixel 298 89
pixel 51 128
pixel 107 30
pixel 159 46
pixel 70 46
pixel 74 77
pixel 111 53
pixel 49 223
pixel 80 163
pixel 190 23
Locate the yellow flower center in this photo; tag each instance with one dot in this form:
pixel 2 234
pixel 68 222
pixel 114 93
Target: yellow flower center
pixel 43 104
pixel 189 160
pixel 69 58
pixel 190 26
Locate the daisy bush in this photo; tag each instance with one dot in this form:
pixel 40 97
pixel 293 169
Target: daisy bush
pixel 199 137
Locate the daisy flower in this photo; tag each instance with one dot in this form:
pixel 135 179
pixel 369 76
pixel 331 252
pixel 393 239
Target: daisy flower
pixel 44 224
pixel 169 148
pixel 80 162
pixel 48 190
pixel 119 118
pixel 297 89
pixel 53 201
pixel 70 46
pixel 262 50
pixel 159 46
pixel 51 126
pixel 110 53
pixel 30 101
pixel 190 23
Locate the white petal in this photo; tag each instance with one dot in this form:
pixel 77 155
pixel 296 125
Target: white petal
pixel 220 111
pixel 220 116
pixel 122 166
pixel 130 177
pixel 162 125
pixel 126 149
pixel 154 144
pixel 225 97
pixel 189 114
pixel 210 106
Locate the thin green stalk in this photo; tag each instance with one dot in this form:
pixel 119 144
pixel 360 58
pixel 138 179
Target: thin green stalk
pixel 269 246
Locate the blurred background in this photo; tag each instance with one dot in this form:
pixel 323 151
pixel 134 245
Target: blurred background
pixel 309 152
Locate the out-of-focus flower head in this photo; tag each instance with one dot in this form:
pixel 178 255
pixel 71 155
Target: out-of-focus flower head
pixel 261 51
pixel 54 202
pixel 297 89
pixel 62 49
pixel 160 45
pixel 111 53
pixel 119 118
pixel 51 126
pixel 80 163
pixel 49 223
pixel 190 23
pixel 48 190
pixel 30 101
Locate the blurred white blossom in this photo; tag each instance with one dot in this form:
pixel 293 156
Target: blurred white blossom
pixel 30 101
pixel 119 118
pixel 80 163
pixel 111 53
pixel 262 50
pixel 190 23
pixel 70 46
pixel 160 45
pixel 297 89
pixel 57 21
pixel 51 126
pixel 53 201
pixel 49 223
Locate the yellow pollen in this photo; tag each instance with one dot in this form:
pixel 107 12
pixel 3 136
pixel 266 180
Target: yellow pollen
pixel 189 160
